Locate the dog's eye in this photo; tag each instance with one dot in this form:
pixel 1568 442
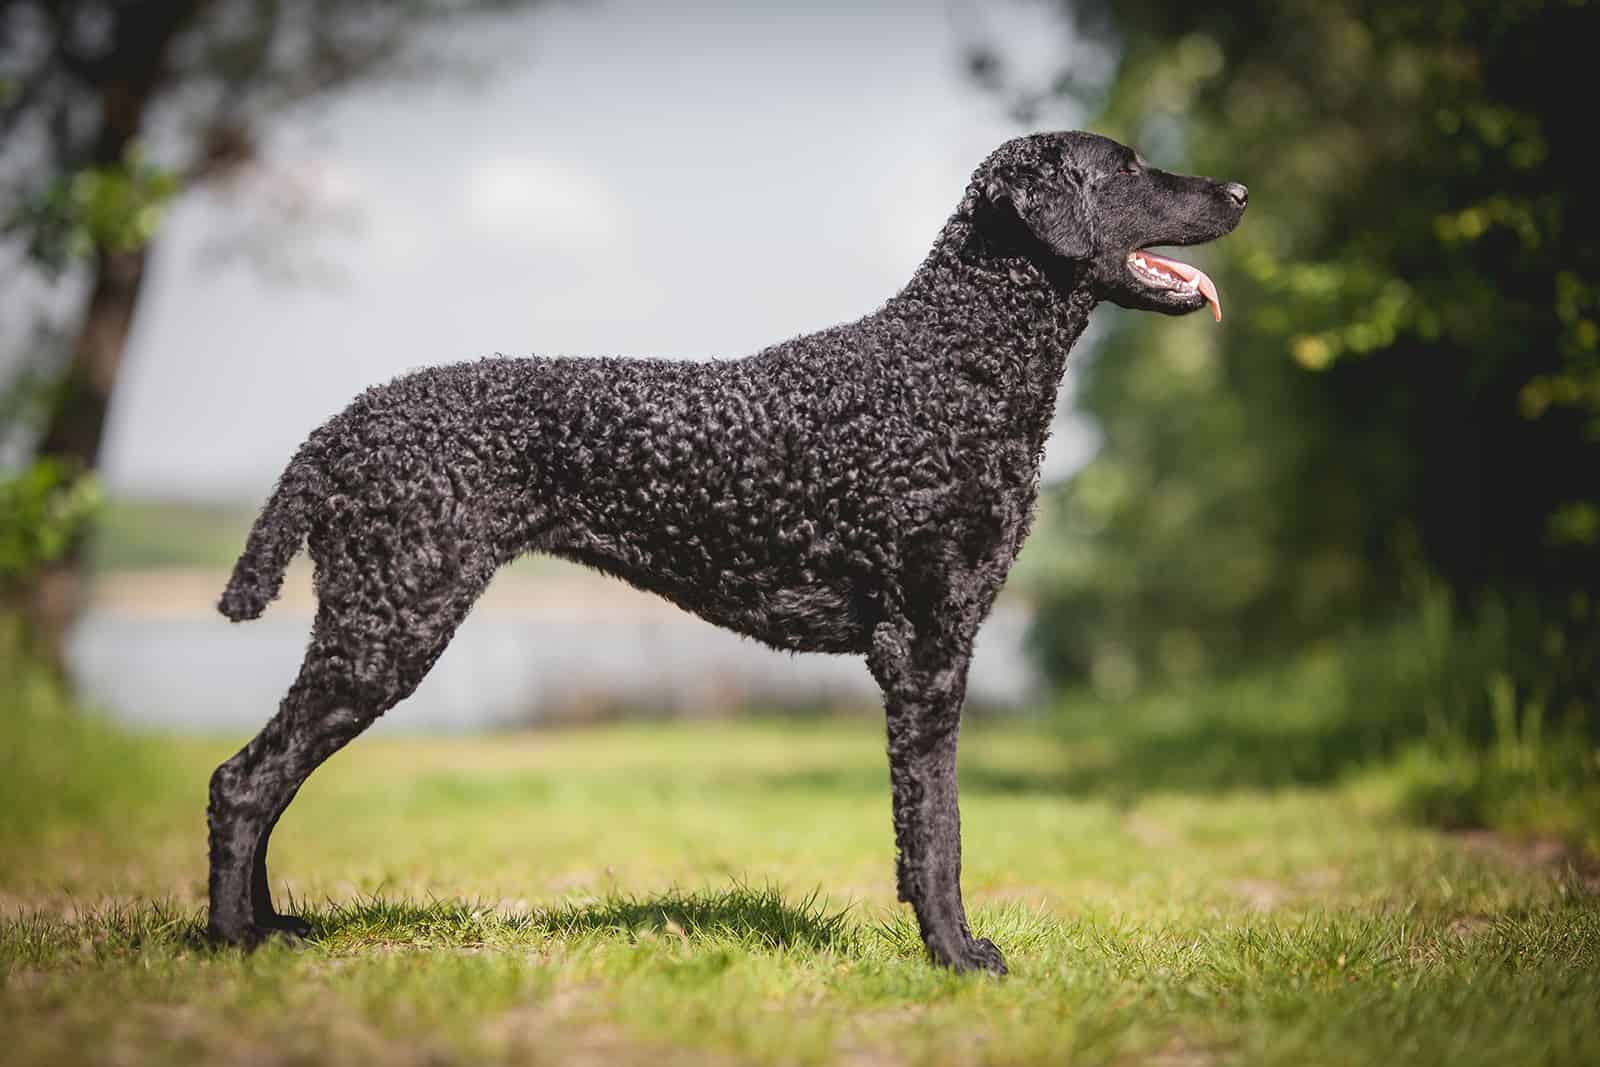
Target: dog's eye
pixel 1130 167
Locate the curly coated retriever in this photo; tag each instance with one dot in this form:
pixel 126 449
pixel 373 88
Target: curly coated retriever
pixel 861 490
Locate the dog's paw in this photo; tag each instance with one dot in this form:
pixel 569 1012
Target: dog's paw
pixel 251 935
pixel 985 956
pixel 291 926
pixel 235 935
pixel 978 954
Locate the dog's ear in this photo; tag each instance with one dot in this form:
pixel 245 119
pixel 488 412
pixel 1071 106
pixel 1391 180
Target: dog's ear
pixel 1050 208
pixel 1008 189
pixel 1007 198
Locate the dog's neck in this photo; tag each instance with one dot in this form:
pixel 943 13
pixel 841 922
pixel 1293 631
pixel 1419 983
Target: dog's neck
pixel 1009 322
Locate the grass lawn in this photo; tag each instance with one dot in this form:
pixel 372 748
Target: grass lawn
pixel 723 892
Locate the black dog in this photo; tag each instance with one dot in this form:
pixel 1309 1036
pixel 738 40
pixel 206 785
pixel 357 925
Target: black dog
pixel 864 489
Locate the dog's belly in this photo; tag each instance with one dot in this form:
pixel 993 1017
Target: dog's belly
pixel 791 612
pixel 815 618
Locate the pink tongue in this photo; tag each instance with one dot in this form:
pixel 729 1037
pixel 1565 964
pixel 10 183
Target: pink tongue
pixel 1189 274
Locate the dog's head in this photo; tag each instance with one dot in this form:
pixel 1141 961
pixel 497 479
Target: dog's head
pixel 1093 203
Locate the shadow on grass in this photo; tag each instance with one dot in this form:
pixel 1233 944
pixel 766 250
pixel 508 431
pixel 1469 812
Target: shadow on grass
pixel 760 919
pixel 754 918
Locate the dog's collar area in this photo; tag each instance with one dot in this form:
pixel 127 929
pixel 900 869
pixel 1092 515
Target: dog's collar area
pixel 1164 273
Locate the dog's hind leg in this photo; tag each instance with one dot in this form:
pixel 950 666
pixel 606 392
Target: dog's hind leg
pixel 250 790
pixel 923 673
pixel 363 660
pixel 267 916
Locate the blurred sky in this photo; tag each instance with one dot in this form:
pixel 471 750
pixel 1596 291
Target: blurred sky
pixel 626 178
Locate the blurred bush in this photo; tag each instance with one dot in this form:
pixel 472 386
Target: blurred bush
pixel 1425 706
pixel 43 509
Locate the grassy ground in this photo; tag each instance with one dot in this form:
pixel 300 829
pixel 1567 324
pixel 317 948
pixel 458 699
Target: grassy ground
pixel 722 892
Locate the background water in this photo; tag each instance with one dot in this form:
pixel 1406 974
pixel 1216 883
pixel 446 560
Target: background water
pixel 204 674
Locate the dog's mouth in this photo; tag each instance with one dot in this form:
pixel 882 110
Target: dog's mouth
pixel 1175 276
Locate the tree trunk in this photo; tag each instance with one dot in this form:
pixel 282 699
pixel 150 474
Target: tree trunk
pixel 77 423
pixel 127 78
pixel 76 429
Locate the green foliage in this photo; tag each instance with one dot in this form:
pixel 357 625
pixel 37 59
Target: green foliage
pixel 44 508
pixel 1407 382
pixel 95 209
pixel 1429 701
pixel 46 504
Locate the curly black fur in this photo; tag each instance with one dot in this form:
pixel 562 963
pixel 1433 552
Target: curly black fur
pixel 864 490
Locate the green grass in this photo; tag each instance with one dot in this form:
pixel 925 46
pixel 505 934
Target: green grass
pixel 722 892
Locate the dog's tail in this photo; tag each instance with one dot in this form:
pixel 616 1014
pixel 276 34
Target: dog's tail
pixel 274 540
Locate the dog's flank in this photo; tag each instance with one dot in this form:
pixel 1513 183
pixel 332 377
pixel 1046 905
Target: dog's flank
pixel 864 489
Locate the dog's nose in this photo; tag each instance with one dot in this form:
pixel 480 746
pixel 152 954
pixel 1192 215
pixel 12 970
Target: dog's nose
pixel 1238 192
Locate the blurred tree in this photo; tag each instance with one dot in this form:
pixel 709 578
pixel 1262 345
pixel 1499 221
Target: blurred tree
pixel 81 83
pixel 1408 380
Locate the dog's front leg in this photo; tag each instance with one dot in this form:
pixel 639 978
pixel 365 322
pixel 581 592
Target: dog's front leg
pixel 924 681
